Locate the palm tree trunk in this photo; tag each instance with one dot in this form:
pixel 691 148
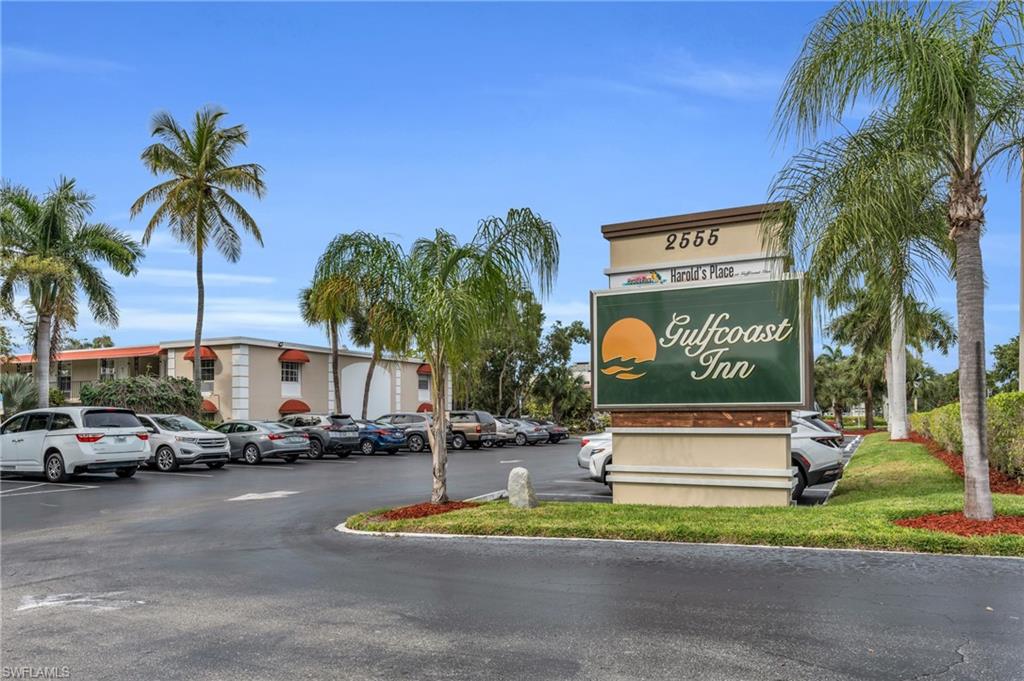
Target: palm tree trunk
pixel 44 323
pixel 888 389
pixel 869 407
pixel 438 439
pixel 966 217
pixel 334 367
pixel 369 378
pixel 898 388
pixel 197 358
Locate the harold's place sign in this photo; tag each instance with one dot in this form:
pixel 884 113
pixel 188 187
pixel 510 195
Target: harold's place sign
pixel 738 344
pixel 698 273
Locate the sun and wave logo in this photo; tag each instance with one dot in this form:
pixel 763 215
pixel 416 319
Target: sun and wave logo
pixel 627 343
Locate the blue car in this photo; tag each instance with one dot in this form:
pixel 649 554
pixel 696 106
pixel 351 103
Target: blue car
pixel 376 436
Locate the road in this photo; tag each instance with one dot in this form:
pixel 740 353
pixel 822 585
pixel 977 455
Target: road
pixel 174 577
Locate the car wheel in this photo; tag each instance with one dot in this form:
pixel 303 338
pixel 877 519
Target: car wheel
pixel 316 449
pixel 488 444
pixel 367 447
pixel 165 460
pixel 214 465
pixel 54 468
pixel 126 472
pixel 292 458
pixel 801 483
pixel 416 443
pixel 520 439
pixel 251 454
pixel 459 441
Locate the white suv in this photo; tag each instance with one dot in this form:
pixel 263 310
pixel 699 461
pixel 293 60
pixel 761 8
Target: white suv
pixel 64 441
pixel 177 440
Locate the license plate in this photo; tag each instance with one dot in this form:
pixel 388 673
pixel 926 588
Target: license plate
pixel 296 439
pixel 120 439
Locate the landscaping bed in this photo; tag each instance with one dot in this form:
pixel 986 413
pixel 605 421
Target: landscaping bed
pixel 884 483
pixel 423 510
pixel 997 480
pixel 956 523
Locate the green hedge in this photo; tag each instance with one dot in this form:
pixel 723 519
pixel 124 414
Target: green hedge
pixel 146 395
pixel 1005 414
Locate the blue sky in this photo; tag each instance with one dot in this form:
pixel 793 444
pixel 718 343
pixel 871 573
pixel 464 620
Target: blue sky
pixel 401 118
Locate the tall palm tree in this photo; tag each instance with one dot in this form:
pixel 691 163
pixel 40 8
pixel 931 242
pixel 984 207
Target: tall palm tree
pixel 951 76
pixel 364 273
pixel 196 203
pixel 318 308
pixel 863 220
pixel 49 250
pixel 449 294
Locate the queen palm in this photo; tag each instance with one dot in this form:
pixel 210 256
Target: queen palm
pixel 449 294
pixel 951 76
pixel 868 227
pixel 319 308
pixel 50 251
pixel 196 203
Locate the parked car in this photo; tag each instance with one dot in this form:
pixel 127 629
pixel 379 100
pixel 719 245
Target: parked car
pixel 374 436
pixel 253 441
pixel 415 426
pixel 528 432
pixel 472 428
pixel 63 441
pixel 587 445
pixel 817 453
pixel 556 433
pixel 175 440
pixel 336 434
pixel 506 431
pixel 600 459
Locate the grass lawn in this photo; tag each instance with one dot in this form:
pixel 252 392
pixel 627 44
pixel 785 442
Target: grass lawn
pixel 884 481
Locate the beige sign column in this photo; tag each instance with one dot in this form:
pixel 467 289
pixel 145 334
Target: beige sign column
pixel 697 456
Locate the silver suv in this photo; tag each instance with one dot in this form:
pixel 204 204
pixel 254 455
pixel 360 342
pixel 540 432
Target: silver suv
pixel 178 440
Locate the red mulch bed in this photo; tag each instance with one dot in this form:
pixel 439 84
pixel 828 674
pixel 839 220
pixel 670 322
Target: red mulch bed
pixel 998 481
pixel 862 431
pixel 956 523
pixel 423 510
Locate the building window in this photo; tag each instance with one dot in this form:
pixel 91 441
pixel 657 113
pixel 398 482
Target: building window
pixel 64 378
pixel 290 372
pixel 424 382
pixel 25 368
pixel 206 369
pixel 106 369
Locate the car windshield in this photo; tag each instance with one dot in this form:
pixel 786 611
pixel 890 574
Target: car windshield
pixel 110 418
pixel 178 423
pixel 276 427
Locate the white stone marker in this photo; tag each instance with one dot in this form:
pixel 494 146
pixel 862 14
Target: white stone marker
pixel 520 489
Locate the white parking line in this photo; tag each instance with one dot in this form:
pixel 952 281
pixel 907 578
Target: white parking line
pixel 512 461
pixel 49 491
pixel 260 496
pixel 23 487
pixel 184 475
pixel 260 468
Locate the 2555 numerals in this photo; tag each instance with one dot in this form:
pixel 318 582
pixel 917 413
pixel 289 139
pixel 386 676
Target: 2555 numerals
pixel 694 238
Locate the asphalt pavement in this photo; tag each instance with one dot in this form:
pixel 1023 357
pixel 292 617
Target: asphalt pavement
pixel 239 574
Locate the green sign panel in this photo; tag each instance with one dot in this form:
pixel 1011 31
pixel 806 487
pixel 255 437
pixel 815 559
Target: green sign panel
pixel 728 345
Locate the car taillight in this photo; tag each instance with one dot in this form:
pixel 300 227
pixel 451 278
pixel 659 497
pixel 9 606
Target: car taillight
pixel 305 436
pixel 142 436
pixel 584 442
pixel 276 436
pixel 89 437
pixel 478 429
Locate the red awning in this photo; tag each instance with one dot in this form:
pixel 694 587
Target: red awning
pixel 205 352
pixel 423 370
pixel 293 407
pixel 293 356
pixel 98 353
pixel 209 407
pixel 425 406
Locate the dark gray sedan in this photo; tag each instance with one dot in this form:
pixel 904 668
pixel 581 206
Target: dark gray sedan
pixel 253 441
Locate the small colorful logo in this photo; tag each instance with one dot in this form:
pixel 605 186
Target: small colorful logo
pixel 627 343
pixel 652 277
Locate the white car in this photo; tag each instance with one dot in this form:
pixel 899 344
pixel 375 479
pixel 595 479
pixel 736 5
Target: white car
pixel 178 440
pixel 595 454
pixel 64 441
pixel 817 451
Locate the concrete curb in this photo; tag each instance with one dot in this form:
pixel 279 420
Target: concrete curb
pixel 345 529
pixel 490 496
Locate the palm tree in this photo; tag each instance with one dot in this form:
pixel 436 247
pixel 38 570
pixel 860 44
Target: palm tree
pixel 318 308
pixel 364 273
pixel 449 294
pixel 833 380
pixel 865 221
pixel 950 76
pixel 49 250
pixel 196 202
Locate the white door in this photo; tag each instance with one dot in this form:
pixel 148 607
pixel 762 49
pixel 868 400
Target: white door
pixel 10 439
pixel 26 446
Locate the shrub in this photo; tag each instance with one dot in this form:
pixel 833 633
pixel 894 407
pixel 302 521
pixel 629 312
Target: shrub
pixel 146 395
pixel 56 397
pixel 19 392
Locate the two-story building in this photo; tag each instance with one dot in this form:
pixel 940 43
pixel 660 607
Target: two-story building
pixel 252 378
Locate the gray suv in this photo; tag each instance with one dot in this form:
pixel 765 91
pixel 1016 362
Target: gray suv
pixel 176 440
pixel 415 425
pixel 328 433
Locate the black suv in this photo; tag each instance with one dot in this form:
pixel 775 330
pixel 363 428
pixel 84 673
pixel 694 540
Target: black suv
pixel 328 433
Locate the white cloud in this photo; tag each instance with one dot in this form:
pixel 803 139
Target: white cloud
pixel 734 81
pixel 25 59
pixel 177 278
